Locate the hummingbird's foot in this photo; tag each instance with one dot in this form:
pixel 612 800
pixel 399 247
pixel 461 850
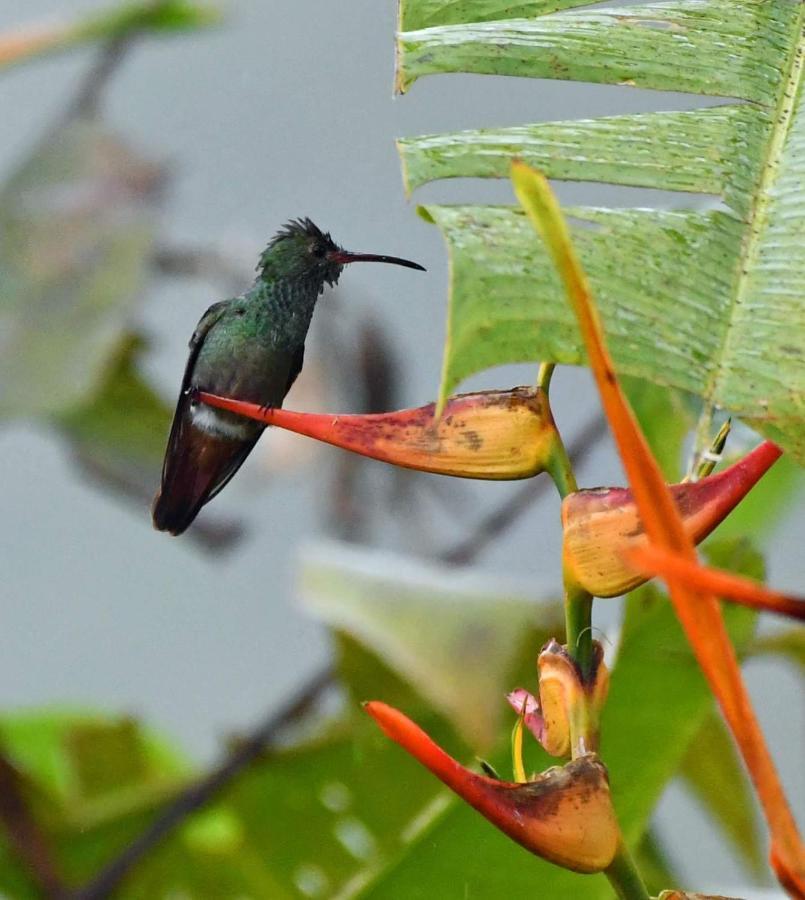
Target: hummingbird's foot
pixel 264 410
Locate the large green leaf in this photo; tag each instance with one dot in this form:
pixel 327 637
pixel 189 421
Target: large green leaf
pixel 705 300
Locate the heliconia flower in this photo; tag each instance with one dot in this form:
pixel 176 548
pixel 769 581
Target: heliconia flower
pixel 494 435
pixel 601 524
pixel 564 718
pixel 564 815
pixel 527 706
pixel 698 611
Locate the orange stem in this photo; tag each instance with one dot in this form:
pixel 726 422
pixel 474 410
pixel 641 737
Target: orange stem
pixel 652 560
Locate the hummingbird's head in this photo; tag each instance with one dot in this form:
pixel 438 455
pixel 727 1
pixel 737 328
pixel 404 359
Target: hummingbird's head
pixel 300 249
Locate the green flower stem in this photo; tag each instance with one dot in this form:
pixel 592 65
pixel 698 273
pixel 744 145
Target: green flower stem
pixel 624 877
pixel 578 627
pixel 544 376
pixel 578 603
pixel 561 469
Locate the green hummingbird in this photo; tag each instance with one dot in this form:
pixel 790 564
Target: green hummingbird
pixel 250 348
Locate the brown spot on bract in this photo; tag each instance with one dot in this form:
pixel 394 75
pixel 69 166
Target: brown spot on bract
pixel 472 439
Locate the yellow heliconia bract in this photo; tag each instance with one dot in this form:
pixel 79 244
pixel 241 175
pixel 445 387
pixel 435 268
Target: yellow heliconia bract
pixel 602 524
pixel 493 435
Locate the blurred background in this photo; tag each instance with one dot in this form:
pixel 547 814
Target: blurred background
pixel 284 109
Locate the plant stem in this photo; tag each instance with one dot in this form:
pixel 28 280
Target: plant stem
pixel 24 834
pixel 544 376
pixel 624 877
pixel 578 603
pixel 579 628
pixel 500 520
pixel 560 468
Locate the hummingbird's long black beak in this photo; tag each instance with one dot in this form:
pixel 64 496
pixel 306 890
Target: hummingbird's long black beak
pixel 344 257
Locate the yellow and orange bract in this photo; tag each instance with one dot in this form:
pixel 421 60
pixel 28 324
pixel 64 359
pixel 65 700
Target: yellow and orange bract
pixel 601 525
pixel 698 611
pixel 495 435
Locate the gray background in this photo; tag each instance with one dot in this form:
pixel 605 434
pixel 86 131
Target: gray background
pixel 286 110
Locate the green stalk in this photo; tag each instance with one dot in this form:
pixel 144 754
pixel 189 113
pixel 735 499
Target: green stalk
pixel 624 877
pixel 578 603
pixel 579 628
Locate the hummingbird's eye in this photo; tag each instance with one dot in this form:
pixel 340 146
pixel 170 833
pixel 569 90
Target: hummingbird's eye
pixel 319 250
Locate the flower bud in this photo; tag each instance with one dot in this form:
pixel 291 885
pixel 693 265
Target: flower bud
pixel 569 706
pixel 494 435
pixel 602 524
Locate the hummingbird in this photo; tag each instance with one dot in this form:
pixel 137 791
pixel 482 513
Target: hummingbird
pixel 249 348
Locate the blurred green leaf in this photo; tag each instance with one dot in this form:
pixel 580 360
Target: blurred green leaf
pixel 452 635
pixel 789 644
pixel 653 864
pixel 157 16
pixel 311 815
pixel 121 430
pixel 117 436
pixel 77 757
pixel 665 416
pixel 715 775
pixel 77 227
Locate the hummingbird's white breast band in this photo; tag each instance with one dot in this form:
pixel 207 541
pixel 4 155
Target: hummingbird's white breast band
pixel 209 420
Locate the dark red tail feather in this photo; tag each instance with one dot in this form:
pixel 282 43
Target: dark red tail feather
pixel 198 469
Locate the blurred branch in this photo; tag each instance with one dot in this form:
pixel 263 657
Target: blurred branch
pixel 149 16
pixel 201 792
pixel 88 96
pixel 500 520
pixel 202 262
pixel 24 834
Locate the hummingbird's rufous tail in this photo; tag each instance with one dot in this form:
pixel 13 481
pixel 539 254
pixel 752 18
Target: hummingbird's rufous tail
pixel 194 473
